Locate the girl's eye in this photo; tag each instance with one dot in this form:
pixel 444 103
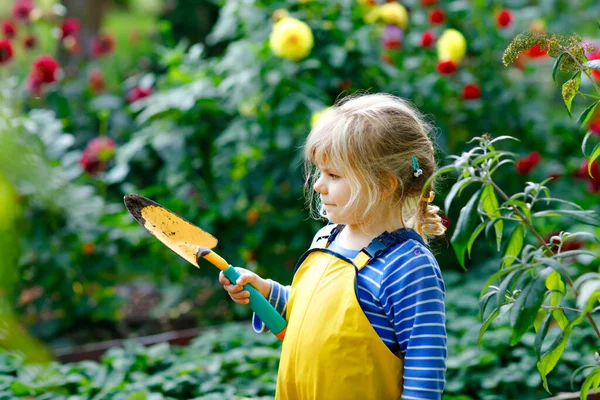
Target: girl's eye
pixel 334 176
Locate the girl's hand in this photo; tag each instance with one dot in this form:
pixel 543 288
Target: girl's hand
pixel 237 292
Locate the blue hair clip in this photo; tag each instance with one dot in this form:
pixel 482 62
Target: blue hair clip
pixel 417 171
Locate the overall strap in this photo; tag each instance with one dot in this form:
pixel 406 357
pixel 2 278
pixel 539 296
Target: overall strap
pixel 326 235
pixel 383 242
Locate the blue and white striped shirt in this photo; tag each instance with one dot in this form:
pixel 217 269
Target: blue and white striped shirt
pixel 402 294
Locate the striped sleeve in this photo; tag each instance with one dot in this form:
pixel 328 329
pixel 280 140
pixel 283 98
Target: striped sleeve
pixel 412 294
pixel 278 297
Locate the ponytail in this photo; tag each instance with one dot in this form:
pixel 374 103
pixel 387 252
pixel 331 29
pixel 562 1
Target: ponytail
pixel 427 221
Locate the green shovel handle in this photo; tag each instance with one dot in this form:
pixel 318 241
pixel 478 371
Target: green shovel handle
pixel 260 305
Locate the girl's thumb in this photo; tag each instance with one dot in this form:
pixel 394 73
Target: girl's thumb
pixel 245 278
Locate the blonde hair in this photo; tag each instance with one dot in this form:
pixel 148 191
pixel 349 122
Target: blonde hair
pixel 371 139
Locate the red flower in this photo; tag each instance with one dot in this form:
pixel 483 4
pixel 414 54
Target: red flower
pixel 594 55
pixel 525 164
pixel 96 154
pixel 426 3
pixel 30 42
pixel 6 51
pixel 137 93
pixel 446 221
pixel 503 18
pixel 22 9
pixel 44 70
pixel 436 16
pixel 103 45
pixel 427 38
pixel 96 80
pixel 536 51
pixel 594 126
pixel 583 171
pixel 9 29
pixel 471 91
pixel 69 27
pixel 446 67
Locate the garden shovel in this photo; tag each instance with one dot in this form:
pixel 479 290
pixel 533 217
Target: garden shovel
pixel 192 243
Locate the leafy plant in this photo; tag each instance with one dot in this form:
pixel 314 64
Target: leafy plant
pixel 535 285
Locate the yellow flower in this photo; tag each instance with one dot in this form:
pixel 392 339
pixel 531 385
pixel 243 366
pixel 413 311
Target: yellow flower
pixel 291 38
pixel 317 115
pixel 451 46
pixel 394 14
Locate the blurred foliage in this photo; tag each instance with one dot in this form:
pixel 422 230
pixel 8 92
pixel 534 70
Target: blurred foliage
pixel 212 131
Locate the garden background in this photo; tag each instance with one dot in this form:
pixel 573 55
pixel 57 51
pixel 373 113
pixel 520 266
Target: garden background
pixel 202 106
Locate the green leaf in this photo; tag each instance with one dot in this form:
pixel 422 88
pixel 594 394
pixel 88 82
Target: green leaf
pixel 515 244
pixel 595 154
pixel 465 225
pixel 585 116
pixel 483 302
pixel 455 188
pixel 558 289
pixel 593 379
pixel 437 173
pixel 506 284
pixel 569 91
pixel 551 357
pixel 528 303
pixel 584 142
pixel 584 215
pixel 555 67
pixel 497 276
pixel 589 292
pixel 595 64
pixel 487 323
pixel 489 204
pixel 542 331
pixel 474 236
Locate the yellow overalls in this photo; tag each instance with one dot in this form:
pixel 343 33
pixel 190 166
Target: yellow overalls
pixel 331 351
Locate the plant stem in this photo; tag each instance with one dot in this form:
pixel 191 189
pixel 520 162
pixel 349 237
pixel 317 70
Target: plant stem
pixel 583 69
pixel 561 308
pixel 532 229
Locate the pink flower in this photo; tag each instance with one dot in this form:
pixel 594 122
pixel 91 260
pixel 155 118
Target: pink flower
pixel 69 27
pixel 392 37
pixel 96 80
pixel 30 42
pixel 6 51
pixel 9 29
pixel 593 55
pixel 103 45
pixel 96 155
pixel 44 70
pixel 22 9
pixel 137 93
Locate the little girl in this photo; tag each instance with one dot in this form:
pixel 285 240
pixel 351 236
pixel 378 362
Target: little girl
pixel 365 310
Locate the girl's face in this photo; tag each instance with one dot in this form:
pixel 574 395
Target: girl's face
pixel 335 192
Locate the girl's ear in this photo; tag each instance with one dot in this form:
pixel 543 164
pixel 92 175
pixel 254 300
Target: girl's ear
pixel 390 186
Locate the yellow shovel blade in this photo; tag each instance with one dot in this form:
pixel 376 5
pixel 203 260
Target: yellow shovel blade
pixel 176 233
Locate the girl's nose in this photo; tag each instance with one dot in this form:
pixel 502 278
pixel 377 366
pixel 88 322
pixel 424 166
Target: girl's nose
pixel 319 186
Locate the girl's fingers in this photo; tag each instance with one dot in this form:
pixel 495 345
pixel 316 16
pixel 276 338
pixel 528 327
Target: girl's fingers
pixel 240 297
pixel 233 288
pixel 223 280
